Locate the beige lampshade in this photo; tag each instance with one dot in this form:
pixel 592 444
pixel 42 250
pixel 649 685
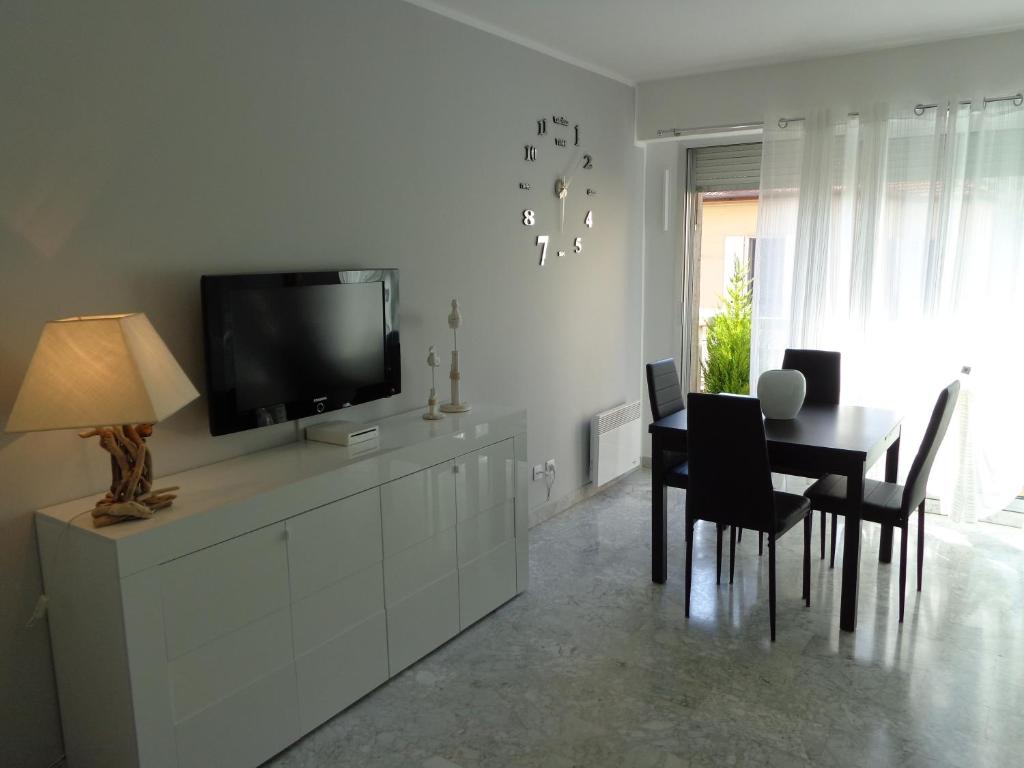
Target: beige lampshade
pixel 99 371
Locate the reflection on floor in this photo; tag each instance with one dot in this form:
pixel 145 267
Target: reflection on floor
pixel 596 666
pixel 1012 516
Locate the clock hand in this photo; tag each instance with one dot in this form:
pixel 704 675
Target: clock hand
pixel 572 164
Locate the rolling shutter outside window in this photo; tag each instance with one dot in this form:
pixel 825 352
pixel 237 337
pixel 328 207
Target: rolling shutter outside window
pixel 727 169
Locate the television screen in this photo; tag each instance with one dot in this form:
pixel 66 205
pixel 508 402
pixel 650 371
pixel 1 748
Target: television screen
pixel 280 347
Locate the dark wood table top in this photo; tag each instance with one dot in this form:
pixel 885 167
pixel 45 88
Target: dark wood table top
pixel 854 430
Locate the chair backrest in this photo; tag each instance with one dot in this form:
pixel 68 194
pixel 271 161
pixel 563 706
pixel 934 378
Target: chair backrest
pixel 917 480
pixel 730 480
pixel 821 369
pixel 663 388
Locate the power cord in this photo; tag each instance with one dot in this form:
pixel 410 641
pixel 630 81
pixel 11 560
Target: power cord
pixel 549 479
pixel 39 611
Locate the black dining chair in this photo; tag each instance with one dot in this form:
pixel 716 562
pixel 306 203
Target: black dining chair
pixel 891 503
pixel 666 396
pixel 731 483
pixel 821 370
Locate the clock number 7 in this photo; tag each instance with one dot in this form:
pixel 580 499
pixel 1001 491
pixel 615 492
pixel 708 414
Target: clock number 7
pixel 542 241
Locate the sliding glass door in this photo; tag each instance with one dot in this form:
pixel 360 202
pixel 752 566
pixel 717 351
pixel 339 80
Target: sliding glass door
pixel 721 208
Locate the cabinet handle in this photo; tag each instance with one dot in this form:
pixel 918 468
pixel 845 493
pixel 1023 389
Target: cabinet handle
pixel 287 533
pixel 455 468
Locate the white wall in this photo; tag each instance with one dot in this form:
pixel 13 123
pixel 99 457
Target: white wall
pixel 662 263
pixel 978 66
pixel 143 145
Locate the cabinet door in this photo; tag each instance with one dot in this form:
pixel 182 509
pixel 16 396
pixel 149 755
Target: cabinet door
pixel 337 584
pixel 416 507
pixel 334 541
pixel 421 589
pixel 485 491
pixel 484 479
pixel 222 588
pixel 227 623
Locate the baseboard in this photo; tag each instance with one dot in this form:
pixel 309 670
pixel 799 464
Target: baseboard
pixel 555 507
pixel 645 462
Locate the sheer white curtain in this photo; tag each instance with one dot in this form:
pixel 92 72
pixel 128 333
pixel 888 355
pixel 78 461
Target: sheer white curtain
pixel 897 238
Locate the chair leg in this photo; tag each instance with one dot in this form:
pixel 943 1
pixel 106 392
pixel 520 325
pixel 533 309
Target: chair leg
pixel 732 552
pixel 760 543
pixel 823 521
pixel 903 566
pixel 771 583
pixel 718 556
pixel 807 558
pixel 920 545
pixel 689 563
pixel 835 532
pixel 739 535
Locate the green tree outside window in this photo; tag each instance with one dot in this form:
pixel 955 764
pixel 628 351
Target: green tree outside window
pixel 727 367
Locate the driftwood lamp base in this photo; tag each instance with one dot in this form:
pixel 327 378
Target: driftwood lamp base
pixel 131 493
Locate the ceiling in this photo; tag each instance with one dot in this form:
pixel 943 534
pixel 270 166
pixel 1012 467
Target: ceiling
pixel 638 40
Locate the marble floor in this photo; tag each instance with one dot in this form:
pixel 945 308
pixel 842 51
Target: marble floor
pixel 596 666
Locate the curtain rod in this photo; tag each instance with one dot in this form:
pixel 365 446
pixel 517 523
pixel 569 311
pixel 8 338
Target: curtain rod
pixel 919 109
pixel 709 129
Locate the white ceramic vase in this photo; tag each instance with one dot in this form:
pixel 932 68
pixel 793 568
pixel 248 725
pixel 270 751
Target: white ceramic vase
pixel 781 393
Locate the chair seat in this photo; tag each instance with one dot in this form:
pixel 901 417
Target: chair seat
pixel 790 509
pixel 882 501
pixel 678 476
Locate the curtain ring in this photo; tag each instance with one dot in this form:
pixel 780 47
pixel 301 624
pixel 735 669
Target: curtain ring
pixel 919 109
pixel 783 122
pixel 1018 100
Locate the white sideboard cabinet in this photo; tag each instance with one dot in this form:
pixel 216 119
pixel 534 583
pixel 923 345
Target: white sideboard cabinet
pixel 280 588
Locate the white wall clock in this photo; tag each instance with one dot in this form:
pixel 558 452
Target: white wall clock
pixel 555 161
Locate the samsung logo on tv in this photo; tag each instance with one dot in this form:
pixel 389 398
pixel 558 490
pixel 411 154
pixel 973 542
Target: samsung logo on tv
pixel 319 399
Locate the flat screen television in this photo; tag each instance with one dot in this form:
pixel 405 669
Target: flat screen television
pixel 283 346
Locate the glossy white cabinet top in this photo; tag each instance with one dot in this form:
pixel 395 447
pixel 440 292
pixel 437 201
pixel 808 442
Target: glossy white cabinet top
pixel 229 498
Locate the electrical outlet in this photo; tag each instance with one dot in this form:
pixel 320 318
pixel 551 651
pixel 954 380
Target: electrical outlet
pixel 549 466
pixel 538 472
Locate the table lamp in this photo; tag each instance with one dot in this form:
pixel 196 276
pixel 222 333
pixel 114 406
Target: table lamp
pixel 114 376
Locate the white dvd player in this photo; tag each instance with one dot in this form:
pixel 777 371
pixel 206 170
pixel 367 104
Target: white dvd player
pixel 342 432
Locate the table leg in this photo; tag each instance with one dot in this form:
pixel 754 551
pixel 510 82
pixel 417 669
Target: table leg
pixel 659 515
pixel 851 548
pixel 892 463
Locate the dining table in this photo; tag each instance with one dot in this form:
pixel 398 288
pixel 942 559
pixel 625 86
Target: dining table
pixel 822 439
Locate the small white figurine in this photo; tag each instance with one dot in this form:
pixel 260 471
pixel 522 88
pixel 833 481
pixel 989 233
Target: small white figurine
pixel 433 362
pixel 454 321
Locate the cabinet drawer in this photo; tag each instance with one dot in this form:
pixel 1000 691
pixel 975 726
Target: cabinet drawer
pixel 334 610
pixel 486 583
pixel 244 729
pixel 222 588
pixel 418 566
pixel 417 507
pixel 484 479
pixel 422 622
pixel 342 671
pixel 329 543
pixel 486 531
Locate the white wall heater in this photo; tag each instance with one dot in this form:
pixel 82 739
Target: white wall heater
pixel 614 442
